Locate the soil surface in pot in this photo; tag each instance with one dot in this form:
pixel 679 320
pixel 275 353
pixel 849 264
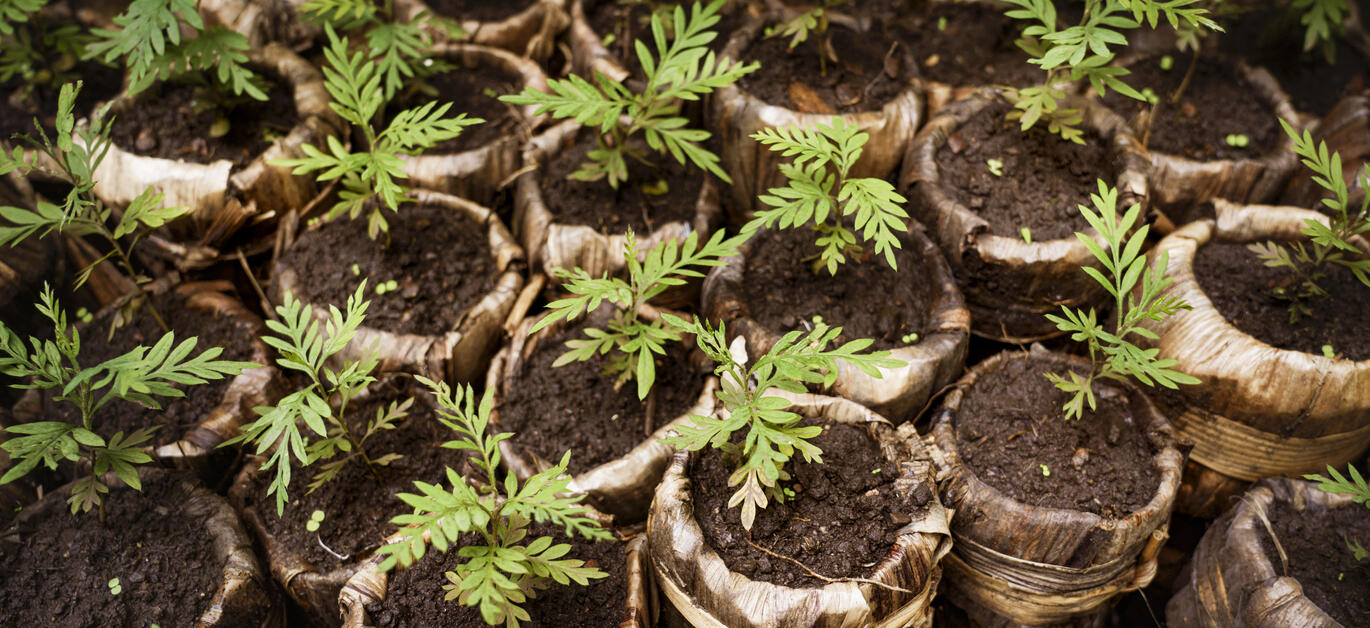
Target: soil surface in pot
pixel 867 298
pixel 479 10
pixel 357 508
pixel 58 573
pixel 867 74
pixel 1274 39
pixel 473 90
pixel 415 596
pixel 973 47
pixel 575 407
pixel 1241 286
pixel 631 21
pixel 1320 560
pixel 1044 177
pixel 844 518
pixel 99 84
pixel 173 122
pixel 1010 425
pixel 639 203
pixel 1218 102
pixel 440 260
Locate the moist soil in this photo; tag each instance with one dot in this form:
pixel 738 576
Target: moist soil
pixel 1274 40
pixel 439 259
pixel 166 124
pixel 575 407
pixel 867 74
pixel 1241 287
pixel 1320 560
pixel 17 111
pixel 414 596
pixel 1217 102
pixel 867 298
pixel 357 508
pixel 473 90
pixel 975 47
pixel 844 519
pixel 58 572
pixel 1044 177
pixel 1010 423
pixel 634 205
pixel 479 10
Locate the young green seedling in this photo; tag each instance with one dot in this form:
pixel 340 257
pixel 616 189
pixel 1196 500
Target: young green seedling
pixel 501 571
pixel 683 69
pixel 820 191
pixel 401 50
pixel 811 22
pixel 1356 488
pixel 1323 22
pixel 1111 354
pixel 38 51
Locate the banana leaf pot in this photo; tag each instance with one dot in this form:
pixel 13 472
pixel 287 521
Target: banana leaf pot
pixel 461 353
pixel 1258 410
pixel 933 361
pixel 707 592
pixel 588 52
pixel 1015 563
pixel 1010 283
pixel 531 32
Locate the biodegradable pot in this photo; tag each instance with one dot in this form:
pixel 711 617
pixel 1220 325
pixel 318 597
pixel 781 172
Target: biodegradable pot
pixel 531 33
pixel 735 115
pixel 1258 411
pixel 241 597
pixel 479 173
pixel 1233 581
pixel 706 592
pixel 223 199
pixel 1010 284
pixel 1346 130
pixel 260 21
pixel 1019 564
pixel 370 586
pixel 622 487
pixel 588 52
pixel 556 245
pixel 461 354
pixel 933 362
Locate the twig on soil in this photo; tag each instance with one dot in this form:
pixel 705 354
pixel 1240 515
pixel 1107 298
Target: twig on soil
pixel 824 578
pixel 266 303
pixel 330 550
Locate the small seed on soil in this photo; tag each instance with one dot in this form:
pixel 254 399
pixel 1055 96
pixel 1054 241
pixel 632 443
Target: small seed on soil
pixel 145 142
pixel 1080 458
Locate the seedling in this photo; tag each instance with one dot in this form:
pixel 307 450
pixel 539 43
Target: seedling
pixel 1046 471
pixel 1027 234
pixel 401 50
pixel 387 286
pixel 909 338
pixel 819 189
pixel 1327 352
pixel 1111 354
pixel 1167 62
pixel 813 21
pixel 1331 242
pixel 1323 22
pixel 773 435
pixel 303 348
pixel 1356 488
pixel 1237 140
pixel 114 587
pixel 315 520
pixel 683 69
pixel 371 176
pixel 137 376
pixel 40 52
pixel 633 341
pixel 996 166
pixel 501 571
pixel 942 23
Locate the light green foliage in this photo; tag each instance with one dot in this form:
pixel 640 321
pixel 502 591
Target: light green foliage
pixel 634 341
pixel 820 191
pixel 1112 354
pixel 401 50
pixel 1356 488
pixel 149 41
pixel 682 69
pixel 371 178
pixel 813 21
pixel 1323 22
pixel 501 571
pixel 115 588
pixel 1331 242
pixel 38 51
pixel 305 348
pixel 773 436
pixel 138 376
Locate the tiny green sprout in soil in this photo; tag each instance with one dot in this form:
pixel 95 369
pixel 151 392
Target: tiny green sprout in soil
pixel 1352 484
pixel 996 166
pixel 1046 472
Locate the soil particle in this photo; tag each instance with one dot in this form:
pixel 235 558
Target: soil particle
pixel 174 122
pixel 1320 560
pixel 866 75
pixel 973 46
pixel 474 91
pixel 479 10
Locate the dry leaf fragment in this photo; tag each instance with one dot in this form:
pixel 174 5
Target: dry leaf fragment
pixel 806 100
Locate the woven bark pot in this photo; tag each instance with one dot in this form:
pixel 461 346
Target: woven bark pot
pixel 1019 564
pixel 1008 283
pixel 935 360
pixel 461 354
pixel 1346 129
pixel 530 33
pixel 1259 411
pixel 1233 581
pixel 224 199
pixel 735 114
pixel 706 592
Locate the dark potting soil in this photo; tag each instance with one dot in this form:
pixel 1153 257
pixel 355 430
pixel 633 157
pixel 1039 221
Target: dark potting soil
pixel 1218 102
pixel 58 572
pixel 169 124
pixel 1010 423
pixel 473 90
pixel 357 508
pixel 439 259
pixel 867 298
pixel 1273 39
pixel 867 74
pixel 415 596
pixel 974 47
pixel 1044 177
pixel 843 520
pixel 575 407
pixel 479 10
pixel 634 205
pixel 17 110
pixel 631 21
pixel 1319 559
pixel 1240 286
